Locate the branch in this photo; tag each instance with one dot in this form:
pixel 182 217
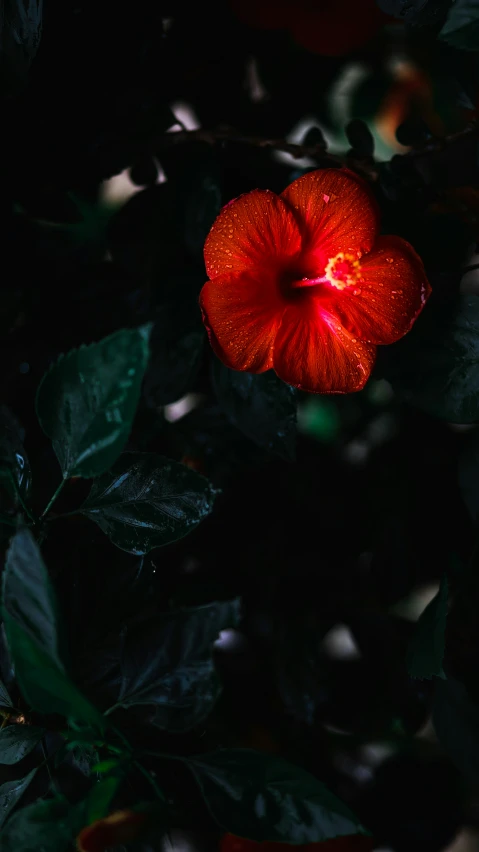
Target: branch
pixel 362 165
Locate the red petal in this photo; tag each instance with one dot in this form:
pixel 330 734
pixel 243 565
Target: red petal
pixel 256 230
pixel 242 313
pixel 313 351
pixel 119 827
pixel 390 295
pixel 336 212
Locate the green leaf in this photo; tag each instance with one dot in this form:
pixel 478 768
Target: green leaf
pixel 10 794
pixel 16 741
pixel 261 406
pixel 15 473
pixel 168 664
pixel 146 501
pixel 176 351
pixel 264 798
pixel 462 25
pixel 416 13
pixel 436 366
pixel 86 402
pixel 101 796
pixel 5 700
pixel 426 650
pixel 33 635
pixel 20 34
pixel 468 473
pixel 44 826
pixel 202 205
pixel 456 722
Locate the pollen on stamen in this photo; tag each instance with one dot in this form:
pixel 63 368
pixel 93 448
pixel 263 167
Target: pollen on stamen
pixel 343 270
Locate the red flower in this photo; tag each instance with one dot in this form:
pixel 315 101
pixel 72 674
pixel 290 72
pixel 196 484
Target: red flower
pixel 328 27
pixel 303 284
pixel 115 829
pixel 353 843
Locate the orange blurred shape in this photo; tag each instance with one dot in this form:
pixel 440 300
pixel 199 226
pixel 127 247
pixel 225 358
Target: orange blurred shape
pixel 115 829
pixel 193 463
pixel 353 843
pixel 328 27
pixel 411 92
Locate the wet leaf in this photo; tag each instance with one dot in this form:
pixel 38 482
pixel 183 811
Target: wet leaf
pixel 16 741
pixel 5 700
pixel 426 650
pixel 168 664
pixel 15 473
pixel 146 501
pixel 261 406
pixel 86 402
pixel 10 794
pixel 264 798
pixel 32 629
pixel 20 34
pixel 44 826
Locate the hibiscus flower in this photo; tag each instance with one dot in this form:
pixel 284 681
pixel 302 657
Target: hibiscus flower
pixel 111 831
pixel 302 283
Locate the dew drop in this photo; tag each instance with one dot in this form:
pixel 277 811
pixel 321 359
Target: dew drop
pixel 389 260
pixel 357 292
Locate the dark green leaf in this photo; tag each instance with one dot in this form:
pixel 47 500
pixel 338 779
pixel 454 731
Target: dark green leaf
pixel 31 625
pixel 426 650
pixel 462 25
pixel 10 794
pixel 20 33
pixel 44 826
pixel 5 700
pixel 168 664
pixel 456 721
pixel 86 402
pixel 16 741
pixel 176 349
pixel 146 501
pixel 436 366
pixel 262 406
pixel 416 13
pixel 15 472
pixel 264 798
pixel 100 797
pixel 468 473
pixel 202 205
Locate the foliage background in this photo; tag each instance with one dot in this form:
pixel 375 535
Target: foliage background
pixel 123 133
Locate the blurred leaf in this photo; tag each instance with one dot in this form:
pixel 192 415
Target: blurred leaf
pixel 101 796
pixel 20 33
pixel 15 473
pixel 87 400
pixel 44 826
pixel 416 12
pixel 360 137
pixel 202 205
pixel 261 406
pixel 10 794
pixel 436 366
pixel 264 798
pixel 147 501
pixel 32 629
pixel 462 25
pixel 176 345
pixel 16 741
pixel 5 700
pixel 456 722
pixel 426 650
pixel 169 664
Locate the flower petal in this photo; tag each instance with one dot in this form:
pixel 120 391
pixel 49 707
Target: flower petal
pixel 255 231
pixel 390 295
pixel 336 212
pixel 242 313
pixel 314 352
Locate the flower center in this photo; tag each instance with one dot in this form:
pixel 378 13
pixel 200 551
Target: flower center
pixel 343 270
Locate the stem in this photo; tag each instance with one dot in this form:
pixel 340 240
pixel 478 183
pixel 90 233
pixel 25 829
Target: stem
pixel 52 499
pixel 24 505
pixel 157 789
